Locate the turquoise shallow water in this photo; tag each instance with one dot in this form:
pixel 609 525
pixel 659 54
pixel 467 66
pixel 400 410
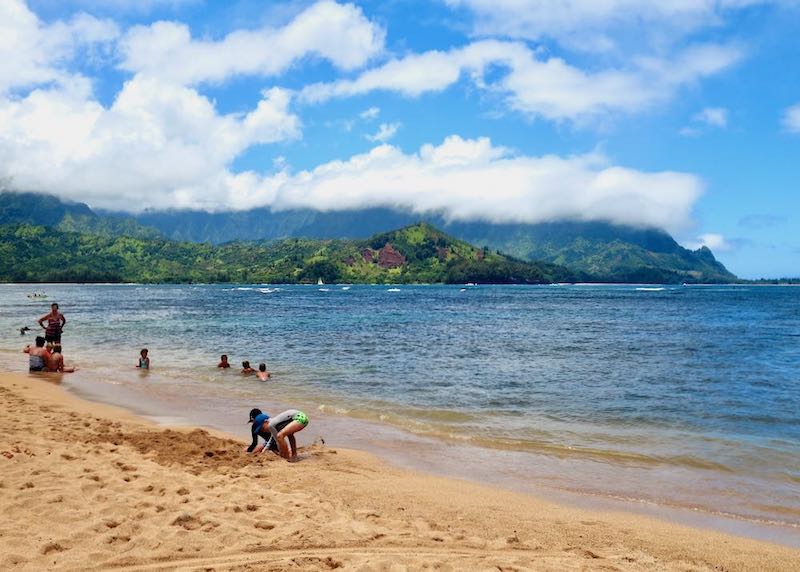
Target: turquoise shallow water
pixel 683 396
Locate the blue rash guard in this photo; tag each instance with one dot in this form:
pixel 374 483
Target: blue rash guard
pixel 256 429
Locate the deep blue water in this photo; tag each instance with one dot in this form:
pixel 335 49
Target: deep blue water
pixel 664 382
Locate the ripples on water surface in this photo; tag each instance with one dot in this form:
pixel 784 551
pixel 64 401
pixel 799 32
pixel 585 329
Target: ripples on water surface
pixel 685 395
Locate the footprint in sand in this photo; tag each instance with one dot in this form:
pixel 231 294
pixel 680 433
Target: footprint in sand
pixel 53 547
pixel 187 521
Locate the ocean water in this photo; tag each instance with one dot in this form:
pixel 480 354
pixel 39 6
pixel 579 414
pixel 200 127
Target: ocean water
pixel 686 397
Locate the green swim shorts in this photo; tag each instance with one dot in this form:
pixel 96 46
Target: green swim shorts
pixel 301 418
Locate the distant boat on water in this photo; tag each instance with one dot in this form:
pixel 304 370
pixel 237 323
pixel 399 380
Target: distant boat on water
pixel 320 282
pixel 37 295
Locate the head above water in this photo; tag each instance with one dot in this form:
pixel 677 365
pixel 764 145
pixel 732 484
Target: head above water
pixel 40 341
pixel 255 412
pixel 57 349
pixel 54 307
pixel 223 357
pixel 262 367
pixel 143 353
pixel 245 364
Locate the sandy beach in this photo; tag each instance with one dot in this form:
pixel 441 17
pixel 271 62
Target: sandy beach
pixel 89 486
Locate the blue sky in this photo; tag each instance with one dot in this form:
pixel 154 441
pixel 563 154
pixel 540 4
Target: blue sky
pixel 682 114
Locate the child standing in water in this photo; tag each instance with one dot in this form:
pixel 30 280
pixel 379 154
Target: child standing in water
pixel 144 361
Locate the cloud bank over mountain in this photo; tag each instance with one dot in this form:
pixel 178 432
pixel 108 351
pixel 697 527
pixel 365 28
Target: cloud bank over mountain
pixel 138 112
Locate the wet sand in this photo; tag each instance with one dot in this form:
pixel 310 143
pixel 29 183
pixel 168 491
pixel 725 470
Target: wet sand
pixel 90 486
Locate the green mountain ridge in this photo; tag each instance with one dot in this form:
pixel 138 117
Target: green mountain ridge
pixel 593 251
pixel 45 210
pixel 416 254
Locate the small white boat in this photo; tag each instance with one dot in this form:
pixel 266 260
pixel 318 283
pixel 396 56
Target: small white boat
pixel 393 290
pixel 320 282
pixel 37 295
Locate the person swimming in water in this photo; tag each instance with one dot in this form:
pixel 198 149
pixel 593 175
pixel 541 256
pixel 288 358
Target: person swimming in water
pixel 38 355
pixel 262 372
pixel 223 362
pixel 275 431
pixel 144 361
pixel 246 369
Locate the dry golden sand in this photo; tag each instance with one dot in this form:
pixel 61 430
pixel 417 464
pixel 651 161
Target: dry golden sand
pixel 85 486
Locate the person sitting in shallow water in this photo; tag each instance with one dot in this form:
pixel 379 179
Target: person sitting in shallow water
pixel 275 431
pixel 56 362
pixel 38 355
pixel 262 372
pixel 246 369
pixel 223 362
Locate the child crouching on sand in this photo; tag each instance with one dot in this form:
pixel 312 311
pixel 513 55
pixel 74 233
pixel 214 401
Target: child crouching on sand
pixel 276 430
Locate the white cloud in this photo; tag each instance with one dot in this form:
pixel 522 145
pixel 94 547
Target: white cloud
pixel 338 33
pixel 370 114
pixel 712 116
pixel 32 52
pixel 548 88
pixel 791 119
pixel 474 180
pixel 158 144
pixel 600 25
pixel 715 242
pixel 385 132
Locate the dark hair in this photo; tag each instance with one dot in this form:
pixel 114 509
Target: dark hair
pixel 262 367
pixel 54 304
pixel 245 364
pixel 223 357
pixel 57 348
pixel 255 412
pixel 144 351
pixel 40 341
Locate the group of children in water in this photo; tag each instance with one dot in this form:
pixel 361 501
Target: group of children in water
pixel 261 374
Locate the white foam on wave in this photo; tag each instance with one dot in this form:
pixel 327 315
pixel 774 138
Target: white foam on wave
pixel 650 289
pixel 393 290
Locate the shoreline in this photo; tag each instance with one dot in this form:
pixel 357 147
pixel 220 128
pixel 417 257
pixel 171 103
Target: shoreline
pixel 448 458
pixel 436 455
pixel 136 494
